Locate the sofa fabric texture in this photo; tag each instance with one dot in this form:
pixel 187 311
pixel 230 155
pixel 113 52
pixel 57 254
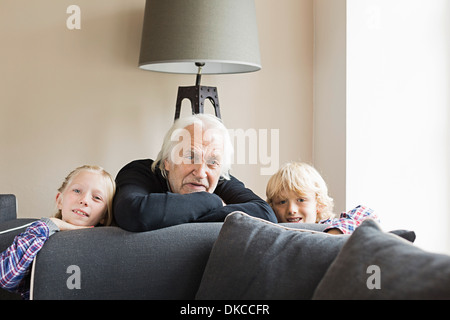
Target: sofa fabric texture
pixel 165 264
pixel 7 207
pixel 256 259
pixel 405 271
pixel 116 264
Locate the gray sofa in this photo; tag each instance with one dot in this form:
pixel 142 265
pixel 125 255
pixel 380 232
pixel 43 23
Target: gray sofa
pixel 242 258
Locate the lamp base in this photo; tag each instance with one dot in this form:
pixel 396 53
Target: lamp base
pixel 197 95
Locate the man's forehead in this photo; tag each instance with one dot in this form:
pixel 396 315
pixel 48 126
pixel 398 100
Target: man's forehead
pixel 200 136
pixel 211 148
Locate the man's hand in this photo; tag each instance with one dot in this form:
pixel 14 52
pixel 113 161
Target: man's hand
pixel 64 226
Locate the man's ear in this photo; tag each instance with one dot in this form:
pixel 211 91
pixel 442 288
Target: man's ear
pixel 166 164
pixel 59 200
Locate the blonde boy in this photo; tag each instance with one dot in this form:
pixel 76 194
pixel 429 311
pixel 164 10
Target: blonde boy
pixel 298 194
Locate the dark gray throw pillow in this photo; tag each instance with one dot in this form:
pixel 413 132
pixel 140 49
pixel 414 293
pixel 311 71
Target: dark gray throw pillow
pixel 378 265
pixel 255 259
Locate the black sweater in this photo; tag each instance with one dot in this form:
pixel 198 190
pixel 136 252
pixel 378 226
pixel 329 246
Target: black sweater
pixel 143 201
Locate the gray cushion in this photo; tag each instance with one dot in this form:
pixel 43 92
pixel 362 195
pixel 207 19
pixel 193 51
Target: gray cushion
pixel 7 207
pixel 256 259
pixel 404 271
pixel 117 264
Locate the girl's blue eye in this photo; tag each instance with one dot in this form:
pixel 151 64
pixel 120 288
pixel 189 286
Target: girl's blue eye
pixel 300 200
pixel 76 190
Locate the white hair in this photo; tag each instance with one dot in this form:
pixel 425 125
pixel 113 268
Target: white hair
pixel 206 121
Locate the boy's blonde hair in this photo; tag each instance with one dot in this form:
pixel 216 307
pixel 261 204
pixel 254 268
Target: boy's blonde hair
pixel 110 189
pixel 302 179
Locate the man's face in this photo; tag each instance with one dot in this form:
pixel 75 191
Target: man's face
pixel 196 167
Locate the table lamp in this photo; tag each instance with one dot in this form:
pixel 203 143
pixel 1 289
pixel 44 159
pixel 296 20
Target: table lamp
pixel 199 37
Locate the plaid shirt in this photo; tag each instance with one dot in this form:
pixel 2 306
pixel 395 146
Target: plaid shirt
pixel 15 262
pixel 349 221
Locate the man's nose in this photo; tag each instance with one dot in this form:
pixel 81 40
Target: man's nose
pixel 200 170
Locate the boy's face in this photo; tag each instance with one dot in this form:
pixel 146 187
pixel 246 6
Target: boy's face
pixel 290 207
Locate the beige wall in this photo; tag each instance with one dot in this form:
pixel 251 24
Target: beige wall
pixel 329 152
pixel 70 97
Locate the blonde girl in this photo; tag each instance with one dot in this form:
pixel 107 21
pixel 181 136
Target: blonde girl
pixel 84 200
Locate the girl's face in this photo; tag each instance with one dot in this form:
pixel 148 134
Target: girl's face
pixel 83 202
pixel 290 207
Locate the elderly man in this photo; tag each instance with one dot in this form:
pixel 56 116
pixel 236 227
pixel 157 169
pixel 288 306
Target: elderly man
pixel 188 182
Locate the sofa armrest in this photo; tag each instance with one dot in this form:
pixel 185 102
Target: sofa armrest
pixel 7 207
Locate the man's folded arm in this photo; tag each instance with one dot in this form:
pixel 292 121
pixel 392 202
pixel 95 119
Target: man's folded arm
pixel 135 211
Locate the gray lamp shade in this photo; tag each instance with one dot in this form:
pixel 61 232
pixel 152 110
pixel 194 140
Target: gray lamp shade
pixel 220 33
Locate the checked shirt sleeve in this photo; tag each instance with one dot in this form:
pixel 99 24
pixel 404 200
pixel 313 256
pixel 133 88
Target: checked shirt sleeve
pixel 16 260
pixel 349 221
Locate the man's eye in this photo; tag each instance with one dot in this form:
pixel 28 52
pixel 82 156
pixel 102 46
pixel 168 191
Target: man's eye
pixel 189 158
pixel 192 157
pixel 214 162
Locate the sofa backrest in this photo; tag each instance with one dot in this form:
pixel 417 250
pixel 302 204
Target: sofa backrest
pixel 111 263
